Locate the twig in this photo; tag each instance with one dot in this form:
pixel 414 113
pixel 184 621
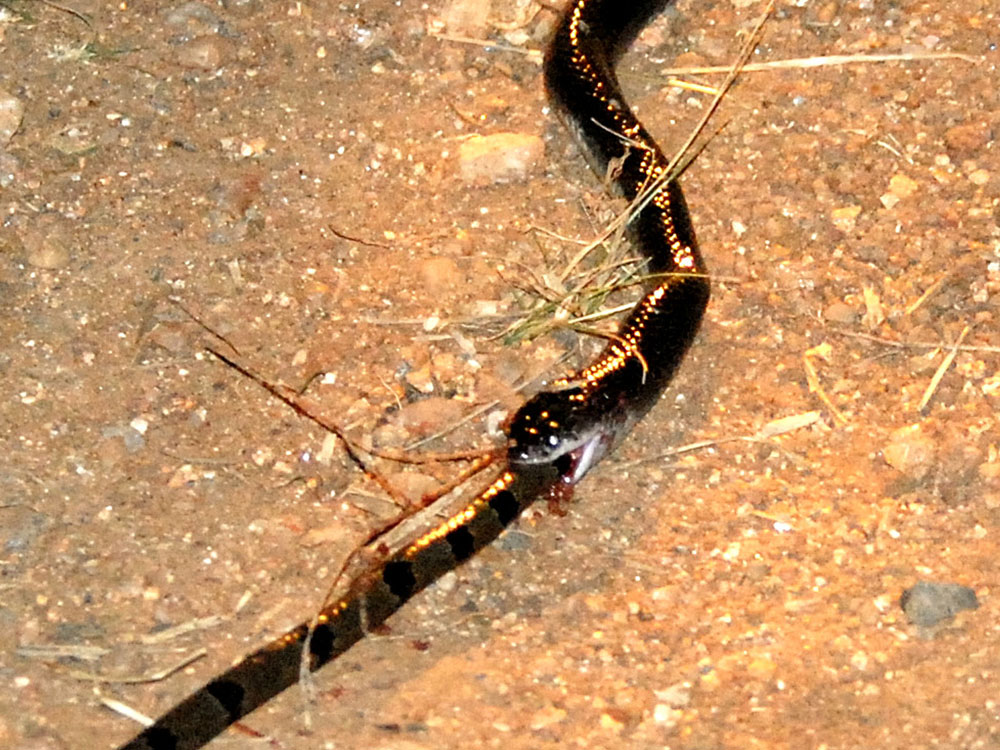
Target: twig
pixel 71 11
pixel 184 309
pixel 355 452
pixel 157 676
pixel 941 370
pixel 366 243
pixel 206 460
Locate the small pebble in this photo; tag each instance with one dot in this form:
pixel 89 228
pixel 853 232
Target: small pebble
pixel 133 439
pixel 547 716
pixel 902 186
pixel 203 53
pixel 675 696
pixel 421 379
pixel 502 157
pixel 514 540
pixel 845 218
pixel 926 604
pixel 48 241
pixel 171 337
pixel 979 177
pixel 968 138
pixel 428 415
pixel 413 485
pixel 889 200
pixel 467 18
pixel 910 452
pixel 50 255
pixel 840 312
pixel 762 668
pixel 440 275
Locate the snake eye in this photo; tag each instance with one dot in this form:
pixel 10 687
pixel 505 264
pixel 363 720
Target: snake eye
pixel 553 440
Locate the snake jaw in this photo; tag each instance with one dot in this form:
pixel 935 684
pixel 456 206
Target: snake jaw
pixel 558 428
pixel 586 456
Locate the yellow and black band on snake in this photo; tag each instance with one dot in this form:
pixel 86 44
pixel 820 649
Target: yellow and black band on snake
pixel 560 433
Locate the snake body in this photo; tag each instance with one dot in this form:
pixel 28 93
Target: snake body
pixel 586 415
pixel 560 433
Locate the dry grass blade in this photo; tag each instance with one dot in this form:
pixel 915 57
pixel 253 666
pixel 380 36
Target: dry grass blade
pixel 585 299
pixel 821 351
pixel 532 54
pixel 882 341
pixel 682 159
pixel 827 60
pixel 62 651
pixel 125 710
pixel 764 436
pixel 941 370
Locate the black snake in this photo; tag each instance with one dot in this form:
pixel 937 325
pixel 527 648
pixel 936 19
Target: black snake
pixel 560 433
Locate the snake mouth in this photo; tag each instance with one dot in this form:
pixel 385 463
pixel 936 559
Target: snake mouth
pixel 573 460
pixel 585 456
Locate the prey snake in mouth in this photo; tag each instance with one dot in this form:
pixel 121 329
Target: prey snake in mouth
pixel 559 434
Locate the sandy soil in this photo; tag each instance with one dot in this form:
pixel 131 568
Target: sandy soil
pixel 288 176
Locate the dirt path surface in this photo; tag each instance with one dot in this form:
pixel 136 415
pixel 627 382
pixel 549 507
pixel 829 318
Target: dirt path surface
pixel 295 177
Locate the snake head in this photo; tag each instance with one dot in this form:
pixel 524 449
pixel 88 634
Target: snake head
pixel 565 428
